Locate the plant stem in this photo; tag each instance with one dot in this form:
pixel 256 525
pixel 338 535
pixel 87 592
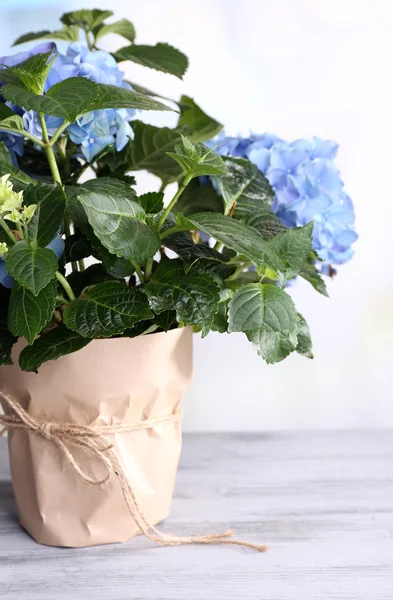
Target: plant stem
pixel 238 271
pixel 8 231
pixel 148 269
pixel 68 289
pixel 217 246
pixel 138 271
pixel 55 173
pixel 49 151
pixel 19 228
pixel 89 44
pixel 163 186
pixel 58 132
pixel 171 230
pixel 173 202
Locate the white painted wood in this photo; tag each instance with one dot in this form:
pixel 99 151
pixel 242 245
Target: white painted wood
pixel 323 502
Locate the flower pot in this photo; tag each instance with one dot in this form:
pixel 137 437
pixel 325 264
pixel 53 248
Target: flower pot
pixel 108 382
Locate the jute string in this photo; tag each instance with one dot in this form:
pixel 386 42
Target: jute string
pixel 91 439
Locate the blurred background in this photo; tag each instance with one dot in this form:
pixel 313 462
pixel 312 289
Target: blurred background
pixel 296 68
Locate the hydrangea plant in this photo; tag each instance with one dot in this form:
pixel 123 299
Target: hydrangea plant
pixel 81 259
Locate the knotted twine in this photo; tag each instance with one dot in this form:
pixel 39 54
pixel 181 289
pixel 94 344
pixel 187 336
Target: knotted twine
pixel 91 439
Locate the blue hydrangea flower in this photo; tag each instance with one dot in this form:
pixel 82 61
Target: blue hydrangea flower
pixel 56 245
pixel 307 186
pixel 96 130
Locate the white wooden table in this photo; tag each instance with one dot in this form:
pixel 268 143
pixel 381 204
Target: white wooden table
pixel 323 503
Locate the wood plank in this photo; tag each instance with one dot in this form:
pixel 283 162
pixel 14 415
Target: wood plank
pixel 322 501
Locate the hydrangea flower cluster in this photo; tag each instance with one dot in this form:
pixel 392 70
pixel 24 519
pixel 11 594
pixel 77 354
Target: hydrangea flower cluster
pixel 95 130
pixel 307 187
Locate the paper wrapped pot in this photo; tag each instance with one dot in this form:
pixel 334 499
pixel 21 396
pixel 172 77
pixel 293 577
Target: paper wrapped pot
pixel 107 382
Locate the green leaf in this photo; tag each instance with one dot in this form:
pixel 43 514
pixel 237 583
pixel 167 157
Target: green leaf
pixel 86 19
pixel 31 73
pixel 194 296
pixel 197 159
pixel 144 90
pixel 245 186
pixel 10 121
pixel 121 268
pixel 28 314
pixel 48 216
pixel 32 268
pixel 19 179
pixel 152 202
pixel 198 198
pixel 124 27
pixel 7 340
pixel 57 342
pixel 161 57
pixel 265 221
pixel 268 316
pixel 107 309
pixel 310 274
pixel 69 34
pixel 76 96
pixel 239 237
pixel 304 342
pixel 183 244
pixel 293 247
pixel 148 151
pixel 118 220
pixel 194 123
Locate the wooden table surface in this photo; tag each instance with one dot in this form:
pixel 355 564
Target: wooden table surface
pixel 323 502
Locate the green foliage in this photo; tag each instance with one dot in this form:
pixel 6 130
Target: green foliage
pixel 55 343
pixel 118 220
pixel 193 295
pixel 195 159
pixel 28 314
pixel 30 74
pixel 194 123
pixel 49 213
pixel 244 187
pixel 19 179
pixel 136 286
pixel 161 57
pixel 107 309
pixel 32 267
pixel 124 27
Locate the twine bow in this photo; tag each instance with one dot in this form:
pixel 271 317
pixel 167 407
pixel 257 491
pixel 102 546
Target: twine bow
pixel 92 439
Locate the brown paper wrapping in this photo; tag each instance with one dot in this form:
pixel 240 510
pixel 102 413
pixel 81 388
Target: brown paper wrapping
pixel 107 382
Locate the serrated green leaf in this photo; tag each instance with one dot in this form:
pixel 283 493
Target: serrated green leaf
pixel 265 221
pixel 268 316
pixel 118 220
pixel 244 186
pixel 32 268
pixel 124 27
pixel 194 123
pixel 195 159
pixel 310 274
pixel 107 309
pixel 54 344
pixel 30 74
pixel 194 296
pixel 304 342
pixel 293 247
pixel 28 314
pixel 161 57
pixel 85 18
pixel 10 121
pixel 183 244
pixel 69 34
pixel 152 202
pixel 237 236
pixel 77 96
pixel 77 247
pixel 49 213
